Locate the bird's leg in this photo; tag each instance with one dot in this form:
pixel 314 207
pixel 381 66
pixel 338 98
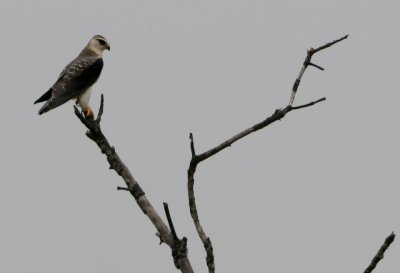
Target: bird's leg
pixel 87 111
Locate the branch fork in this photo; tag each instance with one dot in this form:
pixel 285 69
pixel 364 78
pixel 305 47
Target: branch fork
pixel 179 247
pixel 277 115
pixel 95 133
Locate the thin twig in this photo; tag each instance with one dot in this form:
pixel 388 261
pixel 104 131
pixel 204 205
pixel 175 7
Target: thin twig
pixel 308 62
pixel 170 223
pixel 101 109
pixel 95 133
pixel 196 159
pixel 277 115
pixel 328 44
pixel 316 66
pixel 379 256
pixel 192 145
pixel 179 248
pixel 308 104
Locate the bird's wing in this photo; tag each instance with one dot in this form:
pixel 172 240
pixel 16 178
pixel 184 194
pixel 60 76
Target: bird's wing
pixel 73 81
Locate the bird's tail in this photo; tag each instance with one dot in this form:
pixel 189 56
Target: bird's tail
pixel 52 101
pixel 45 108
pixel 44 97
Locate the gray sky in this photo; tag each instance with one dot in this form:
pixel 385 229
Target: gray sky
pixel 316 192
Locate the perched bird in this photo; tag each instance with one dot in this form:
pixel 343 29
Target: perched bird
pixel 77 78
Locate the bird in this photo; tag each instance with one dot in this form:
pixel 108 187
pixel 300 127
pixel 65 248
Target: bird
pixel 77 78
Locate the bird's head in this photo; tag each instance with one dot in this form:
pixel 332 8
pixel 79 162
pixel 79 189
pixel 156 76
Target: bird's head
pixel 98 44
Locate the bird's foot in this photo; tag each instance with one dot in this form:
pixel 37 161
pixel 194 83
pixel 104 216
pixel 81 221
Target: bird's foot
pixel 88 112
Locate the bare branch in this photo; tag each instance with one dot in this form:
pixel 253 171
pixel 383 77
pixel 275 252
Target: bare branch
pixel 308 62
pixel 193 210
pixel 192 144
pixel 379 255
pixel 328 44
pixel 196 159
pixel 101 109
pixel 170 223
pixel 277 115
pixel 316 66
pixel 308 104
pixel 94 133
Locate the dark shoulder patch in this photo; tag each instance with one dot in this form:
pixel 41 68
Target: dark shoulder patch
pixel 87 74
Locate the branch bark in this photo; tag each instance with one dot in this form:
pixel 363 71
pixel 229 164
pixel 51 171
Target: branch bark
pixel 179 248
pixel 277 115
pixel 308 62
pixel 95 133
pixel 379 256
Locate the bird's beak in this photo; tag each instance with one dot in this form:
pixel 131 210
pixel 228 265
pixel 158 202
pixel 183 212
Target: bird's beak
pixel 108 47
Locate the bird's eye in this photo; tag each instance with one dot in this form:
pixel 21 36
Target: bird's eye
pixel 102 42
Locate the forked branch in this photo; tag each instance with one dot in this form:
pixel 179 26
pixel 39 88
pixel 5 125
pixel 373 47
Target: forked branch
pixel 94 133
pixel 308 62
pixel 179 247
pixel 196 159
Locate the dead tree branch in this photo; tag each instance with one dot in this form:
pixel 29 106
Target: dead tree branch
pixel 379 256
pixel 94 133
pixel 308 62
pixel 179 249
pixel 196 159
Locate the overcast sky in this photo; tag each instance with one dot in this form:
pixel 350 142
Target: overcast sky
pixel 317 192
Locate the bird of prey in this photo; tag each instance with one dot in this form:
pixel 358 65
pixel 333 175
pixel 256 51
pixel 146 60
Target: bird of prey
pixel 77 78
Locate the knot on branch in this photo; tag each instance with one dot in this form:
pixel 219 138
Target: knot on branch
pixel 179 250
pixel 179 246
pixel 136 191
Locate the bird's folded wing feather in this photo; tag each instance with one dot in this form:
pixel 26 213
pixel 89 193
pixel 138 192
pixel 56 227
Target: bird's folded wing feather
pixel 79 75
pixel 74 80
